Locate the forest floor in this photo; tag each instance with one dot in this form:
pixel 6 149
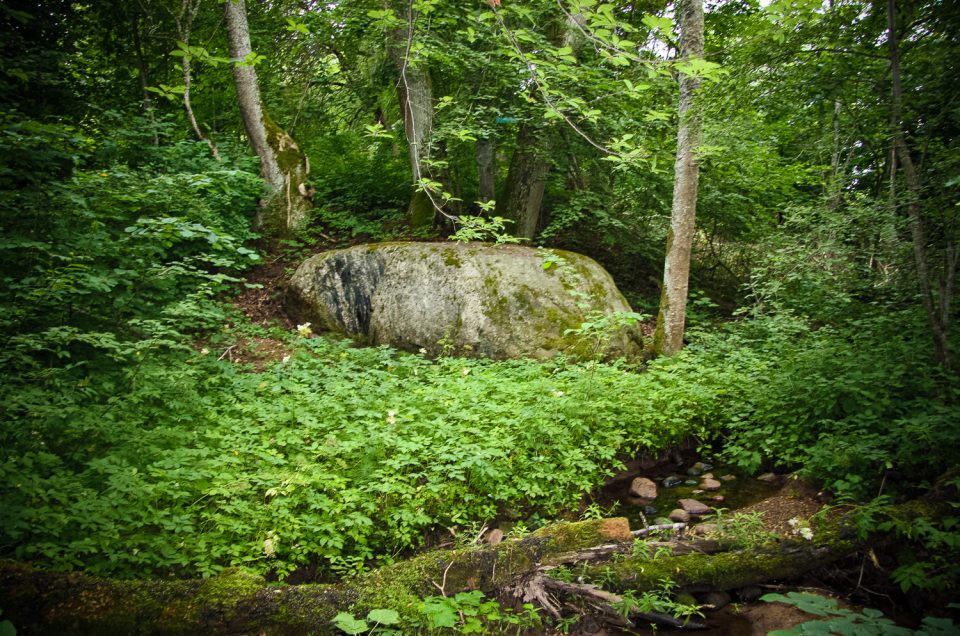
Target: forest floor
pixel 774 507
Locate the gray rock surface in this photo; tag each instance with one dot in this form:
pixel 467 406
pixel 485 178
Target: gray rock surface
pixel 466 299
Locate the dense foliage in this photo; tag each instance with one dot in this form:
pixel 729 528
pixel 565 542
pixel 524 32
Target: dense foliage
pixel 131 444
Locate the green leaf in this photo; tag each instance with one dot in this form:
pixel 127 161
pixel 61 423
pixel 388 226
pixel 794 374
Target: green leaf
pixel 349 624
pixel 383 616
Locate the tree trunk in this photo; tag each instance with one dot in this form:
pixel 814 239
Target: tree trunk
pixel 415 93
pixel 526 180
pixel 530 164
pixel 283 165
pixel 671 319
pixel 937 309
pixel 188 13
pixel 146 102
pixel 486 170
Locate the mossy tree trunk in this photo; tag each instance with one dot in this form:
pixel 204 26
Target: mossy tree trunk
pixel 671 317
pixel 283 165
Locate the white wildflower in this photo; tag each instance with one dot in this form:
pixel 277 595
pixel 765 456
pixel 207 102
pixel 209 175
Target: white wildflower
pixel 204 351
pixel 285 359
pixel 806 533
pixel 391 417
pixel 304 330
pixel 558 393
pixel 423 351
pixel 270 544
pixel 465 372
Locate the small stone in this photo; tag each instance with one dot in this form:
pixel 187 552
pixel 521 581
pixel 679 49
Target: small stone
pixel 691 482
pixel 767 478
pixel 706 476
pixel 494 537
pixel 679 516
pixel 705 466
pixel 728 477
pixel 718 498
pixel 643 488
pixel 710 485
pixel 694 471
pixel 671 481
pixel 717 599
pixel 649 511
pixel 694 507
pixel 696 492
pixel 703 529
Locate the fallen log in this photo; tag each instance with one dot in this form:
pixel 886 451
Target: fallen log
pixel 43 602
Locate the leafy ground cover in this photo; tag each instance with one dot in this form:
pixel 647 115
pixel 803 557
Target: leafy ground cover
pixel 336 453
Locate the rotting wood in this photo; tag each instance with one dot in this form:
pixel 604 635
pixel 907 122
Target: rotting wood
pixel 606 602
pixel 41 602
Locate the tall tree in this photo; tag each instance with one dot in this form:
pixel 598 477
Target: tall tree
pixel 283 165
pixel 184 21
pixel 415 93
pixel 527 179
pixel 671 318
pixel 936 305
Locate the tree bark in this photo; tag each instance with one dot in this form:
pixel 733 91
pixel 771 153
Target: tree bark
pixel 671 318
pixel 146 102
pixel 184 20
pixel 530 165
pixel 526 180
pixel 415 93
pixel 283 165
pixel 937 309
pixel 486 170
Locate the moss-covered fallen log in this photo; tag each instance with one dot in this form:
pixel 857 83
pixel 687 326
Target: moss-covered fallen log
pixel 41 602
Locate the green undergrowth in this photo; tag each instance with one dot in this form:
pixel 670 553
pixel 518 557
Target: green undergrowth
pixel 339 458
pixel 184 464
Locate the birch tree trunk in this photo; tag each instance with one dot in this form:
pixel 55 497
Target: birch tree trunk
pixel 184 20
pixel 671 318
pixel 283 165
pixel 415 93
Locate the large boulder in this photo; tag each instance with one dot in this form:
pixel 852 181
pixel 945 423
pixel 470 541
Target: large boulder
pixel 467 299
